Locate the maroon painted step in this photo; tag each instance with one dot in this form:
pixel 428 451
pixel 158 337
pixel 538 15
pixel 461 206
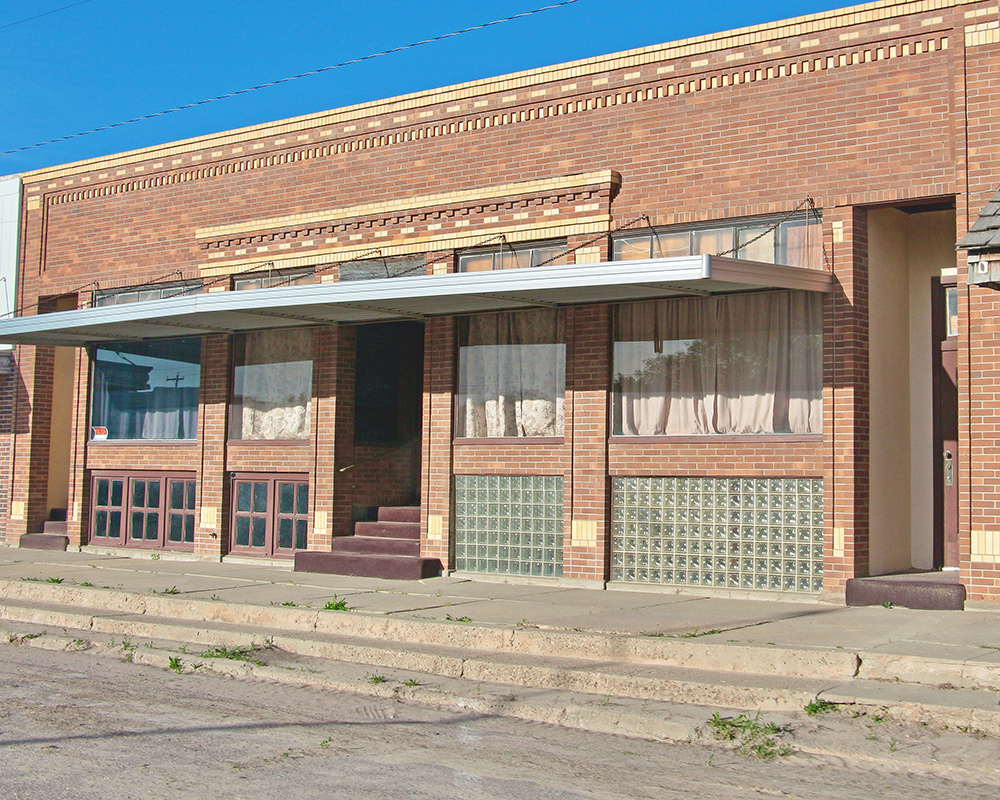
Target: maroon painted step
pixel 376 545
pixel 388 530
pixel 399 514
pixel 368 565
pixel 388 548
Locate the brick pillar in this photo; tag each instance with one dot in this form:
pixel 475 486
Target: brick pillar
pixel 846 398
pixel 32 416
pixel 324 417
pixel 211 524
pixel 79 487
pixel 343 436
pixel 436 448
pixel 587 543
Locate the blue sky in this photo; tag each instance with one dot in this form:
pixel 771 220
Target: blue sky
pixel 104 61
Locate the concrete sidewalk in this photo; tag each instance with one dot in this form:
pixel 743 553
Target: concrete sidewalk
pixel 936 666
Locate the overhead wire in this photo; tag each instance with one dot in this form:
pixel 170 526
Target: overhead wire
pixel 280 81
pixel 45 14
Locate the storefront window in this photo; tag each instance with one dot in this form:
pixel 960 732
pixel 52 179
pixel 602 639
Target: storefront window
pixel 734 364
pixel 272 384
pixel 511 375
pixel 146 390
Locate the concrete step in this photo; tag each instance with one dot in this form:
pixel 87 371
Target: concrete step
pixel 934 595
pixel 368 565
pixel 399 514
pixel 587 679
pixel 376 545
pixel 390 530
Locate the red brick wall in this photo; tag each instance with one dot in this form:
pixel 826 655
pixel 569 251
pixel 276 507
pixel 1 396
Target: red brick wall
pixel 861 114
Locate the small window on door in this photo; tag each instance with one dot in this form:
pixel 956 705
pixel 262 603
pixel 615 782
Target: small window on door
pixel 270 515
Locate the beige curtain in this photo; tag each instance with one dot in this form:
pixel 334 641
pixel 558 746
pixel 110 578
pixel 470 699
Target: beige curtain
pixel 512 375
pixel 734 364
pixel 273 386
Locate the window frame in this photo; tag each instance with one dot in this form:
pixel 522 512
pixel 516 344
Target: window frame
pixel 160 290
pixel 92 386
pixel 298 276
pixel 127 508
pixel 271 514
pixel 506 250
pixel 734 249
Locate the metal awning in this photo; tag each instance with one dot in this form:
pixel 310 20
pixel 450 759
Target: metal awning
pixel 415 297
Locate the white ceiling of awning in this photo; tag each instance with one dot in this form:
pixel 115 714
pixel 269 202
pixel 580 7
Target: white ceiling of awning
pixel 415 297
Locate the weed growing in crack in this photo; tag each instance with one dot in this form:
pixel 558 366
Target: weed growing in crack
pixel 290 604
pixel 752 737
pixel 450 618
pixel 337 604
pixel 171 590
pixel 236 654
pixel 412 682
pixel 175 664
pixel 54 580
pixel 818 706
pixel 375 679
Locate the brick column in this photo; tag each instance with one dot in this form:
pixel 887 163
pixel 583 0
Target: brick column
pixel 211 524
pixel 343 437
pixel 436 529
pixel 846 398
pixel 79 486
pixel 32 416
pixel 324 416
pixel 587 543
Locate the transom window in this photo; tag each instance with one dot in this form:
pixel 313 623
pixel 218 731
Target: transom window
pixel 732 364
pixel 275 277
pixel 506 256
pixel 797 242
pixel 143 509
pixel 146 390
pixel 117 297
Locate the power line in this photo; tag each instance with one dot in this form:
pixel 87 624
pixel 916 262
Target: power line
pixel 39 16
pixel 239 92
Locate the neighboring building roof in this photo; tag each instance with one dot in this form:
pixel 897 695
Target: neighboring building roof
pixel 985 231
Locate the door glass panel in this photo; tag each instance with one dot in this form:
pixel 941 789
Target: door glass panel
pixel 177 494
pixel 101 523
pixel 951 302
pixel 300 534
pixel 189 528
pixel 102 491
pixel 243 531
pixel 285 533
pixel 153 494
pixel 259 498
pixel 117 490
pixel 302 499
pixel 115 522
pixel 259 532
pixel 243 491
pixel 190 496
pixel 136 528
pixel 152 526
pixel 139 493
pixel 176 528
pixel 286 502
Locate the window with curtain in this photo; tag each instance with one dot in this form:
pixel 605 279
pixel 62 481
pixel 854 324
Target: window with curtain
pixel 272 384
pixel 146 390
pixel 732 364
pixel 511 374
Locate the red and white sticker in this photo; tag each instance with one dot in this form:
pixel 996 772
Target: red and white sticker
pixel 99 433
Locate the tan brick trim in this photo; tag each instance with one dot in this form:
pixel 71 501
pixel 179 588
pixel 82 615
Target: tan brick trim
pixel 478 194
pixel 231 142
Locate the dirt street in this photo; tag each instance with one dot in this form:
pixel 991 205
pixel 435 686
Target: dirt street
pixel 74 725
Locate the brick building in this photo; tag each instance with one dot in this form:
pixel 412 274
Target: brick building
pixel 689 316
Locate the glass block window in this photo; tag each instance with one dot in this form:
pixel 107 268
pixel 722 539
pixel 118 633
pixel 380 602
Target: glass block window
pixel 509 524
pixel 726 533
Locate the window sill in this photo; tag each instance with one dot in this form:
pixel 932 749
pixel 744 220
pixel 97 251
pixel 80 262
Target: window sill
pixel 269 442
pixel 535 440
pixel 142 442
pixel 719 438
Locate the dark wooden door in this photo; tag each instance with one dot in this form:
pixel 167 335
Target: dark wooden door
pixel 945 353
